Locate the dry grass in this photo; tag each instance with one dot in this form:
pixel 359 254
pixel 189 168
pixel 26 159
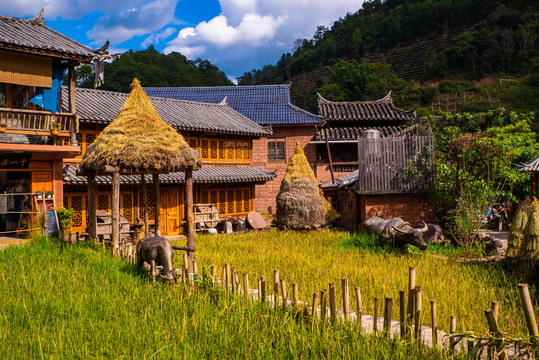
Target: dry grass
pixel 524 234
pixel 138 139
pixel 313 259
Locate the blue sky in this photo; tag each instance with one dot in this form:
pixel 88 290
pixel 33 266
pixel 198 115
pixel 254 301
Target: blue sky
pixel 236 35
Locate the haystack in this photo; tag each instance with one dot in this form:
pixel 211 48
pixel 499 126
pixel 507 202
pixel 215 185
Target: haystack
pixel 139 141
pixel 300 204
pixel 523 244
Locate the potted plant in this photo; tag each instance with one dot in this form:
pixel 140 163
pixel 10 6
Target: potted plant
pixel 3 127
pixel 65 220
pixel 54 127
pixel 38 194
pixel 48 194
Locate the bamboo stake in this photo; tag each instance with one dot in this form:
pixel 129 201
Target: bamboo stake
pixel 233 281
pixel 228 278
pixel 493 329
pixel 411 295
pixel 185 261
pixel 323 306
pixel 434 322
pixel 223 279
pixel 387 316
pixel 263 287
pixel 345 298
pixel 452 328
pixel 332 307
pixel 260 289
pixel 359 306
pixel 283 293
pixel 276 287
pixel 375 317
pixel 295 294
pixel 417 316
pixel 495 306
pixel 195 268
pixel 314 307
pixel 402 313
pixel 236 282
pixel 527 307
pixel 246 285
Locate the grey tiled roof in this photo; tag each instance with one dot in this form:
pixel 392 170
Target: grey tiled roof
pixel 208 174
pixel 99 106
pixel 343 181
pixel 27 35
pixel 532 166
pixel 264 104
pixel 379 110
pixel 354 132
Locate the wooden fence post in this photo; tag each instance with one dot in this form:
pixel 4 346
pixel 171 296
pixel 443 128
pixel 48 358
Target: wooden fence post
pixel 263 287
pixel 411 295
pixel 223 279
pixel 323 306
pixel 359 306
pixel 213 274
pixel 495 306
pixel 434 324
pixel 276 287
pixel 228 278
pixel 452 328
pixel 246 285
pixel 295 294
pixel 345 298
pixel 375 317
pixel 527 307
pixel 260 289
pixel 284 293
pixel 387 316
pixel 417 315
pixel 332 305
pixel 402 313
pixel 314 307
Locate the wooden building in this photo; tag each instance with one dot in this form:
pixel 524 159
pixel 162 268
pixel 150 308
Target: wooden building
pixel 223 137
pixel 36 134
pixel 266 105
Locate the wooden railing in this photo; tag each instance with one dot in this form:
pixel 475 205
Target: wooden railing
pixel 34 122
pixel 395 164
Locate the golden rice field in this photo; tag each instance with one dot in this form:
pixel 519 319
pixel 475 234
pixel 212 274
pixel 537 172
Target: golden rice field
pixel 313 259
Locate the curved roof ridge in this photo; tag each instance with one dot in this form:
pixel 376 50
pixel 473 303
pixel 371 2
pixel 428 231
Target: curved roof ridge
pixel 386 99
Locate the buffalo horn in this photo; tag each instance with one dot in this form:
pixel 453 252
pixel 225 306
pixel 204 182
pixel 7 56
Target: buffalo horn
pixel 399 230
pixel 424 228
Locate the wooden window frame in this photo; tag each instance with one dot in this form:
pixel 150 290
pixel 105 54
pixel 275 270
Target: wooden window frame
pixel 275 143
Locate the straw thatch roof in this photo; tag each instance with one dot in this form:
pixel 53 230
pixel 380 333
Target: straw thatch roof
pixel 139 141
pixel 523 241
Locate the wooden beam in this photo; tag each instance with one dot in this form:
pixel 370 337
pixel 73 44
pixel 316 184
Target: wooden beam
pixel 115 213
pixel 92 209
pixel 71 76
pixel 145 205
pixel 157 205
pixel 189 216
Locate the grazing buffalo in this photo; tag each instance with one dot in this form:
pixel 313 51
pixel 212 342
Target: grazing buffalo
pixel 156 250
pixel 396 231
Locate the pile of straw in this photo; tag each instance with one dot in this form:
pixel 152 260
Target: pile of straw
pixel 139 140
pixel 300 204
pixel 523 244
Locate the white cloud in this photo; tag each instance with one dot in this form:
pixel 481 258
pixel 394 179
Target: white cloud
pixel 133 20
pixel 156 38
pixel 249 31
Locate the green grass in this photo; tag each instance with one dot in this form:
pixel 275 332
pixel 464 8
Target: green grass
pixel 313 259
pixel 63 301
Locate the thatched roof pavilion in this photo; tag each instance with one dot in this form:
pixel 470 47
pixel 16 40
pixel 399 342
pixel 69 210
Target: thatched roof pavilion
pixel 138 141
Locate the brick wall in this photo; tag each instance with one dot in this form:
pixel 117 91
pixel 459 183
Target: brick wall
pixel 266 194
pixel 410 207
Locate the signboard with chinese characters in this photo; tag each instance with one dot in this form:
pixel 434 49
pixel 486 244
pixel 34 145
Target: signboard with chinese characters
pixel 14 161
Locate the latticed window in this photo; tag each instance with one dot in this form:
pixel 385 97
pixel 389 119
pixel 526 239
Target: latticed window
pixel 204 197
pixel 3 95
pixel 76 205
pixel 276 150
pixel 239 207
pixel 230 201
pixel 103 202
pixel 222 149
pixel 230 149
pixel 213 149
pixel 204 149
pixel 239 150
pixel 193 143
pixel 222 202
pixel 127 206
pixel 246 150
pixel 246 200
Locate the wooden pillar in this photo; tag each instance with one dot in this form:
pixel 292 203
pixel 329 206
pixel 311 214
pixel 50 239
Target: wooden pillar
pixel 189 216
pixel 145 205
pixel 71 88
pixel 157 205
pixel 92 208
pixel 115 212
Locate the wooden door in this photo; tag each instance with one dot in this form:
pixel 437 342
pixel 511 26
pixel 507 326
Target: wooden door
pixel 173 212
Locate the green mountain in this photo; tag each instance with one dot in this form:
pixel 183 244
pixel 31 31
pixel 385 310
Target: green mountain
pixel 154 69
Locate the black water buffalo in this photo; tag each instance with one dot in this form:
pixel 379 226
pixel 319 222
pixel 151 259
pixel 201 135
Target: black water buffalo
pixel 396 231
pixel 156 250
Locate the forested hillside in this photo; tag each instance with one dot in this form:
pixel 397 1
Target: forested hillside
pixel 154 69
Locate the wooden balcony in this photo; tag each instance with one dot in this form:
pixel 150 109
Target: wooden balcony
pixel 34 122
